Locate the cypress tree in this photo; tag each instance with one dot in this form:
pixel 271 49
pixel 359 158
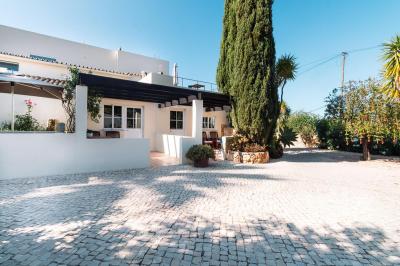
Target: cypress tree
pixel 246 69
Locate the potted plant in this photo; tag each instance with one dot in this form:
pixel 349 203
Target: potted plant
pixel 200 154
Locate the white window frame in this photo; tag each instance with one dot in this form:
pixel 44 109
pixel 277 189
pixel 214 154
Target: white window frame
pixel 113 117
pixel 210 121
pixel 133 118
pixel 177 120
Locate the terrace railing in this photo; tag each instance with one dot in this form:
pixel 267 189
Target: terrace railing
pixel 199 85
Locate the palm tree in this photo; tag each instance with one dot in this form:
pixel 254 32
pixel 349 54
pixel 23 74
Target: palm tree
pixel 286 69
pixel 391 71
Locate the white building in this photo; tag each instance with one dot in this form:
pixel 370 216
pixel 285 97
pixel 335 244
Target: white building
pixel 140 105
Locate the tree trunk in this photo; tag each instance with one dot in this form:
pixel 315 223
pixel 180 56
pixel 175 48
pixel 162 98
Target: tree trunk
pixel 366 154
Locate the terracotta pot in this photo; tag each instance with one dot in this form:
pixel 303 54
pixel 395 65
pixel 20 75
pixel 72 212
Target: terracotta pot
pixel 255 157
pixel 201 163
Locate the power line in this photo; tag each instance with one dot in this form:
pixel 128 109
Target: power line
pixel 315 62
pixel 364 49
pixel 325 60
pixel 320 64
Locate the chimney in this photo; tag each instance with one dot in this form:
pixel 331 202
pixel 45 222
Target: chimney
pixel 175 74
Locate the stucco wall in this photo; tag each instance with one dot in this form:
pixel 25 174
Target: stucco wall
pixel 38 154
pixel 155 120
pixel 160 79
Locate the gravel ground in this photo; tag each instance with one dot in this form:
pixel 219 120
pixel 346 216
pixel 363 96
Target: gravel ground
pixel 310 207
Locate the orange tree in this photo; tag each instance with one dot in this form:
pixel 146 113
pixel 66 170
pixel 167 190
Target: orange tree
pixel 369 115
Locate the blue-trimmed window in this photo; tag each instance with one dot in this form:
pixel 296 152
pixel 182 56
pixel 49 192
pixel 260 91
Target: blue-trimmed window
pixel 11 67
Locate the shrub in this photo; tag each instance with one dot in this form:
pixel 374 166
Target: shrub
pixel 27 122
pixel 287 137
pixel 5 126
pixel 238 142
pixel 200 152
pixel 304 124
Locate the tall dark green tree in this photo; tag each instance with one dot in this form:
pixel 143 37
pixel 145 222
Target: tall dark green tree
pixel 246 69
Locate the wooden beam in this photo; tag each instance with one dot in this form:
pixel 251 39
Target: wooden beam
pixel 161 105
pixel 192 97
pixel 183 100
pixel 167 104
pixel 217 108
pixel 226 108
pixel 175 102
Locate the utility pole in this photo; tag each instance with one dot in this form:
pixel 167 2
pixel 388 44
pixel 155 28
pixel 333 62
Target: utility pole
pixel 341 109
pixel 344 55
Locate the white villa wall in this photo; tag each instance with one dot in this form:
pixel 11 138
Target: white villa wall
pixel 40 154
pixel 160 79
pixel 155 121
pixel 23 42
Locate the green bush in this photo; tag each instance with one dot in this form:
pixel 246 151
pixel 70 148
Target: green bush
pixel 331 134
pixel 5 126
pixel 27 122
pixel 200 152
pixel 304 124
pixel 287 137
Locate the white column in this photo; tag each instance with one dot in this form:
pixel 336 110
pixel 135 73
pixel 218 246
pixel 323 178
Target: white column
pixel 81 113
pixel 197 120
pixel 12 107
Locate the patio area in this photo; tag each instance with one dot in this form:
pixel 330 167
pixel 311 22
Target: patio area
pixel 310 207
pixel 158 159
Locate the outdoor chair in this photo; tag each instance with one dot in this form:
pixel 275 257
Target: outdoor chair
pixel 215 139
pixel 206 141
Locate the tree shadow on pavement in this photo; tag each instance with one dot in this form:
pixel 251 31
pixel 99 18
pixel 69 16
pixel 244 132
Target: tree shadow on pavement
pixel 140 217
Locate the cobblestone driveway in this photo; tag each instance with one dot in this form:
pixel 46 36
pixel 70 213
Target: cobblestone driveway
pixel 310 207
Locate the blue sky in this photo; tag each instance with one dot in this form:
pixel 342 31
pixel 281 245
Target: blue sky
pixel 189 32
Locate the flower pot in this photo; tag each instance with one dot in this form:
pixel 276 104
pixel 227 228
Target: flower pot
pixel 201 163
pixel 255 157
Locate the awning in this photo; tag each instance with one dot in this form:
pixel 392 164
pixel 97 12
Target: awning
pixel 164 95
pixel 30 86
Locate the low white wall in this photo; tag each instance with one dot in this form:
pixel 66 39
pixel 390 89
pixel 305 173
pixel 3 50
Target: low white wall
pixel 160 79
pixel 176 146
pixel 39 154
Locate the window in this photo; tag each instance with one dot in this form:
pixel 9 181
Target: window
pixel 208 122
pixel 112 116
pixel 9 66
pixel 133 118
pixel 176 120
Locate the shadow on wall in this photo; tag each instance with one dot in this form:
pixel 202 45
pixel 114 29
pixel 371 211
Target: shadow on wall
pixel 105 217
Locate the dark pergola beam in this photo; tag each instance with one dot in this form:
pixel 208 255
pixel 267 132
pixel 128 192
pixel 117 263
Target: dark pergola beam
pixel 138 91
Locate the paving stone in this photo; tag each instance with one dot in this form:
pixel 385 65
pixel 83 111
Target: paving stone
pixel 293 211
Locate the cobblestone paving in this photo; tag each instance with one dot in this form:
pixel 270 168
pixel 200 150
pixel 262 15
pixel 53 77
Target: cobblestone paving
pixel 311 207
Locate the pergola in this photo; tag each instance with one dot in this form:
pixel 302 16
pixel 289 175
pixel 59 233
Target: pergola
pixel 31 86
pixel 165 96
